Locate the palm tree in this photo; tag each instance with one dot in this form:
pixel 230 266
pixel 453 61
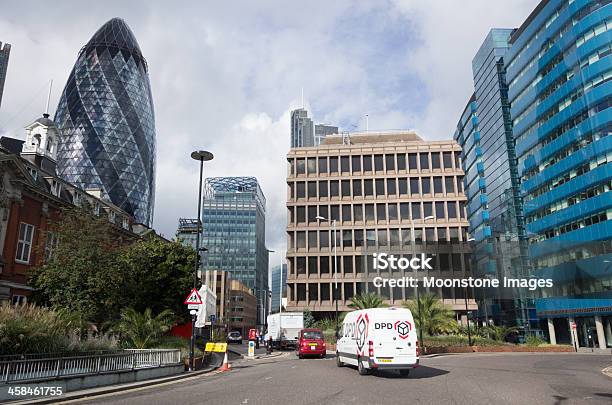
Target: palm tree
pixel 436 317
pixel 143 330
pixel 365 301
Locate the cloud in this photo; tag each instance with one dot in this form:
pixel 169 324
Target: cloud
pixel 226 74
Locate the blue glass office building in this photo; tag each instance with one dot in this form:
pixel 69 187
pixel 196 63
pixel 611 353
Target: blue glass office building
pixel 492 186
pixel 558 69
pixel 107 124
pixel 276 286
pixel 234 226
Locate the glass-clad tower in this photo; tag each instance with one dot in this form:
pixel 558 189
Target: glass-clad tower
pixel 107 124
pixel 234 230
pixel 559 68
pixel 277 284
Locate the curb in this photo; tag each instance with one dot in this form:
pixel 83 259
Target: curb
pixel 110 389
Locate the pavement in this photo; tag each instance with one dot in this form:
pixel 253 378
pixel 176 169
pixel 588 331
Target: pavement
pixel 479 378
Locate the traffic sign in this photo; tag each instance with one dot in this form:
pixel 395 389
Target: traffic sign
pixel 213 318
pixel 193 306
pixel 193 298
pixel 251 348
pixel 216 347
pixel 573 325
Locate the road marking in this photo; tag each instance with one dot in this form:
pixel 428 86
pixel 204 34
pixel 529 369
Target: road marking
pixel 246 401
pixel 607 371
pixel 268 378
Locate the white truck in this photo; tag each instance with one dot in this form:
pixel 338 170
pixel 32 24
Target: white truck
pixel 284 328
pixel 379 339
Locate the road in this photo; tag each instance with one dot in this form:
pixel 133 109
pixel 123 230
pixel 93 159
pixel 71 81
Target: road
pixel 513 378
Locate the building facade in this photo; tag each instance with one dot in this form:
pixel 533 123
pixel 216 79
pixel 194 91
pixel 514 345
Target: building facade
pixel 218 281
pixel 234 223
pixel 187 230
pixel 242 314
pixel 277 282
pixel 302 129
pixel 107 124
pixel 5 52
pixel 321 131
pixel 559 67
pixel 492 186
pixel 387 192
pixel 32 197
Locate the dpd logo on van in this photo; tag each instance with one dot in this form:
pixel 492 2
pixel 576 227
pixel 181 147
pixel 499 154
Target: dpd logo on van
pixel 403 328
pixel 362 331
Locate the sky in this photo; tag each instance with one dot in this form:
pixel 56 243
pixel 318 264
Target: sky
pixel 225 76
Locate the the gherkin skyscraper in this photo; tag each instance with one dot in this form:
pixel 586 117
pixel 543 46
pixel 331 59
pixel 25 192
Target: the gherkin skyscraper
pixel 107 124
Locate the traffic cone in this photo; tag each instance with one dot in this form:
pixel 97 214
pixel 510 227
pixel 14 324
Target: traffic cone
pixel 226 366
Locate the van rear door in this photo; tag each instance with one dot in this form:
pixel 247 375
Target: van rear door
pixel 394 341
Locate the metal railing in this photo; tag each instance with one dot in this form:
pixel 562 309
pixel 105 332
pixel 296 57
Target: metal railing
pixel 77 365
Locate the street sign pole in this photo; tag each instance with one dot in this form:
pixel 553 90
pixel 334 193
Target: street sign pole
pixel 193 301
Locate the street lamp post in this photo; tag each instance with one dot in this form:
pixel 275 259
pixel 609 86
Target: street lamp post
pixel 418 296
pixel 202 156
pixel 320 218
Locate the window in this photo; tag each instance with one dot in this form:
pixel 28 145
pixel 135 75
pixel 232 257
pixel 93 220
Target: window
pixel 424 158
pixel 300 166
pixel 437 182
pixel 403 185
pixel 358 212
pixel 323 165
pixel 394 237
pixel 452 209
pixel 324 239
pixel 333 164
pixel 412 161
pixel 346 213
pixel 301 189
pixel 368 187
pixel 414 185
pixel 382 237
pixel 381 212
pixel 416 210
pixel 430 235
pixel 405 211
pixel 335 212
pixel 323 191
pixel 323 211
pixel 312 214
pixel 312 241
pixel 378 163
pixel 346 188
pixel 426 185
pixel 301 214
pixel 312 165
pixel 447 160
pixel 369 212
pixel 406 239
pixel 358 237
pixel 344 164
pixel 334 188
pixel 367 163
pixel 33 172
pixel 435 160
pixel 371 237
pixel 392 211
pixel 357 192
pixel 301 239
pixel 19 299
pixel 24 243
pixel 356 161
pixel 50 245
pixel 347 238
pixel 390 162
pixel 449 182
pixel 125 223
pixel 312 189
pixel 380 187
pixel 391 186
pixel 427 209
pixel 401 161
pixel 442 235
pixel 439 209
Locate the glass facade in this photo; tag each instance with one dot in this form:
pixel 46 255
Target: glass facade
pixel 493 185
pixel 276 287
pixel 559 69
pixel 5 51
pixel 107 123
pixel 234 229
pixel 302 129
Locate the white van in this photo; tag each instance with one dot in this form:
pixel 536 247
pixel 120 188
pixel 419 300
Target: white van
pixel 378 339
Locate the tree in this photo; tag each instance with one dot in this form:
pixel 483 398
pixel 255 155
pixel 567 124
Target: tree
pixel 142 330
pixel 82 274
pixel 309 320
pixel 159 275
pixel 436 317
pixel 365 301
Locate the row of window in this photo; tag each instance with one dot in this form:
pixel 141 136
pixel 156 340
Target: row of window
pixel 25 241
pixel 380 212
pixel 572 226
pixel 382 237
pixel 319 292
pixel 376 187
pixel 374 163
pixel 351 266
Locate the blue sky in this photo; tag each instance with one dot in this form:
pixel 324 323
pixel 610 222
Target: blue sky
pixel 225 75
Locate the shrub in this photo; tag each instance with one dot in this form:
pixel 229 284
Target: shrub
pixel 533 340
pixel 143 330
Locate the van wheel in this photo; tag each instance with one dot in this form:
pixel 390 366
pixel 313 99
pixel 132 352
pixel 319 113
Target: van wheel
pixel 404 372
pixel 361 369
pixel 339 363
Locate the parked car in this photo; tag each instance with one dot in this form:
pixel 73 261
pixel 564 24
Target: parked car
pixel 234 337
pixel 311 343
pixel 377 339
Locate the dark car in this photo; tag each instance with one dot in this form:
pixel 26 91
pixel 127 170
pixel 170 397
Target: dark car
pixel 234 337
pixel 311 343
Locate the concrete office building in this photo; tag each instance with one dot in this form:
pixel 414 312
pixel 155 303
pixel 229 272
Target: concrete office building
pixel 219 283
pixel 321 131
pixel 388 192
pixel 234 220
pixel 559 67
pixel 5 51
pixel 276 285
pixel 492 186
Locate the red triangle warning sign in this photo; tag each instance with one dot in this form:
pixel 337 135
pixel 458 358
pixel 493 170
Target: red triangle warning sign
pixel 193 298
